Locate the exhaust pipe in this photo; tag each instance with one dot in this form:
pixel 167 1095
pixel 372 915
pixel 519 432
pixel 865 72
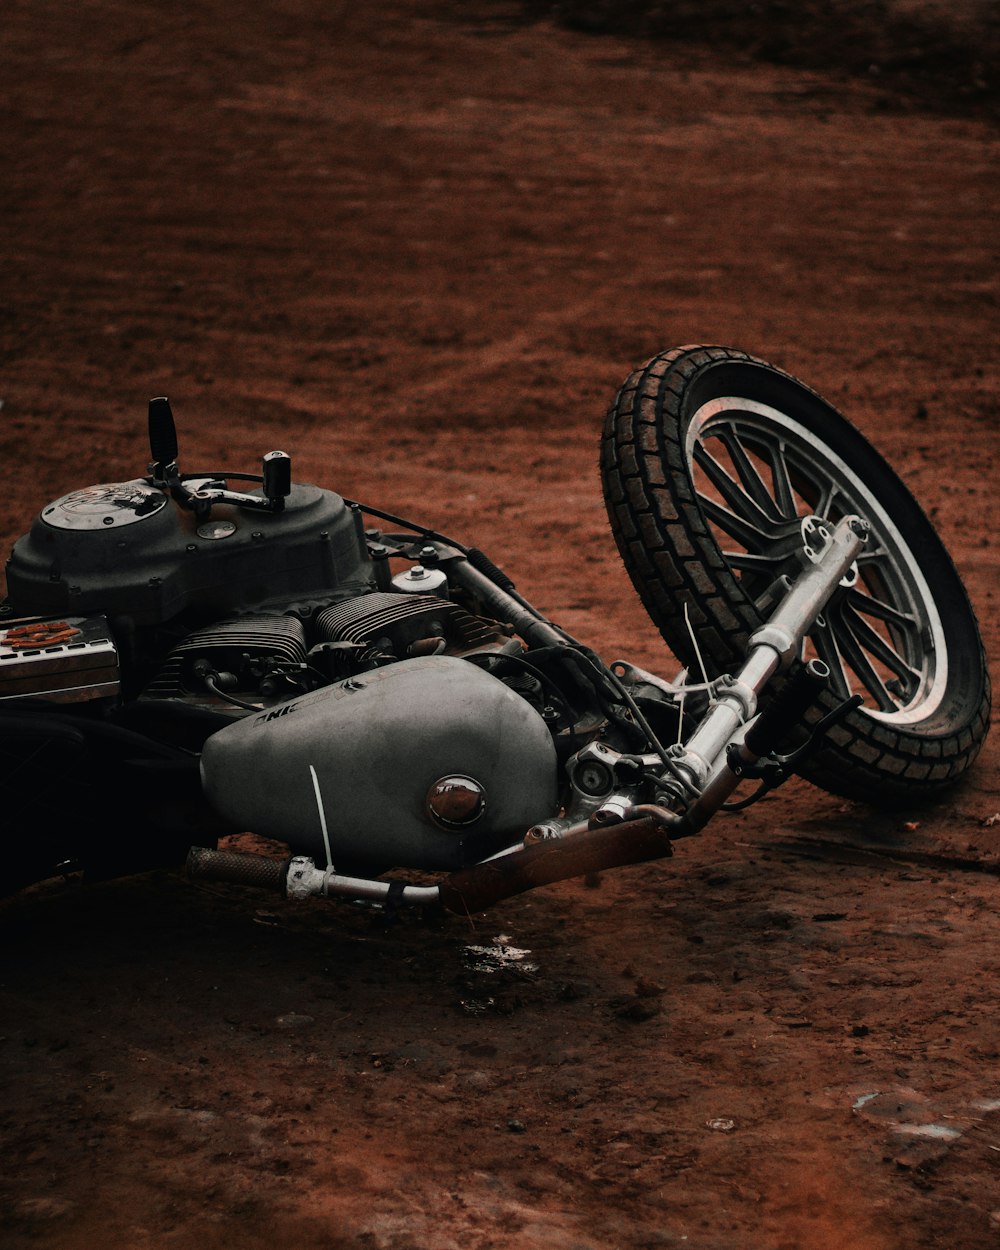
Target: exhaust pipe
pixel 557 859
pixel 465 892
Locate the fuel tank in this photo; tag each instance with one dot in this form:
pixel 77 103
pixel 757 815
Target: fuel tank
pixel 428 763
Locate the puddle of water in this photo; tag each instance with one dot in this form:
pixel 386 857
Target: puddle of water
pixel 500 956
pixel 915 1122
pixel 936 1132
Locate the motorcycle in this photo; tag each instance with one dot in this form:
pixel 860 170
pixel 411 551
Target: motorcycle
pixel 192 654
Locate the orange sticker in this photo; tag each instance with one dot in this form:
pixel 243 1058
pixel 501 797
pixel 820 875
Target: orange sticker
pixel 39 634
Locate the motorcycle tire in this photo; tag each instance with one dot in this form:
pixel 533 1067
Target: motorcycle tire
pixel 711 459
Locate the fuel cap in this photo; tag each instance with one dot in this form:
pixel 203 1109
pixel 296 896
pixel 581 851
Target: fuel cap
pixel 456 801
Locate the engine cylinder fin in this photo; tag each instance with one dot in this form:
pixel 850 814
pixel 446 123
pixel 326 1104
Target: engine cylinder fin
pixel 394 615
pixel 232 645
pixel 281 636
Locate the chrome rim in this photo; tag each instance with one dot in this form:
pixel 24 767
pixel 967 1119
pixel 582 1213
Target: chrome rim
pixel 757 473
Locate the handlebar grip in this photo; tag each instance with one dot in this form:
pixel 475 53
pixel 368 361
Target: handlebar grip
pixel 787 708
pixel 236 866
pixel 162 432
pixel 277 475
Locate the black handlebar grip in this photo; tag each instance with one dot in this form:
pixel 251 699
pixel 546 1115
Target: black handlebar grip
pixel 162 432
pixel 787 708
pixel 277 475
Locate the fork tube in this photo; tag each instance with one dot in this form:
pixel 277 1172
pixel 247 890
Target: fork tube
pixel 773 647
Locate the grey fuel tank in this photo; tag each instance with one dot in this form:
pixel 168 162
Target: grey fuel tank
pixel 428 763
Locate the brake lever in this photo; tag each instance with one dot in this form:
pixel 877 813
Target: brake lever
pixel 792 761
pixel 774 770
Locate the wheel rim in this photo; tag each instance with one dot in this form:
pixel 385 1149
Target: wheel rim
pixel 757 473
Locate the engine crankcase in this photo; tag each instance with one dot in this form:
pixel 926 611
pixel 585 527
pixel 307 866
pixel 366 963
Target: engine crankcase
pixel 428 763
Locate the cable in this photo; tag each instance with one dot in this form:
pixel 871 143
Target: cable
pixel 422 530
pixel 640 720
pixel 210 678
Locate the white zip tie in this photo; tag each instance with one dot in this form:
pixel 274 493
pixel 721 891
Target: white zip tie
pixel 680 715
pixel 694 643
pixel 322 819
pixel 701 665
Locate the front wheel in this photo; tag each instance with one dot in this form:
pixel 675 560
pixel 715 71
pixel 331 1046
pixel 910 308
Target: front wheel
pixel 715 467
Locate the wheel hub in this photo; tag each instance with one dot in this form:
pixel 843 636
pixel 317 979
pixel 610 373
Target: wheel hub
pixel 815 535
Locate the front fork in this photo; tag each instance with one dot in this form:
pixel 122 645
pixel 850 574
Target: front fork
pixel 773 648
pixel 703 772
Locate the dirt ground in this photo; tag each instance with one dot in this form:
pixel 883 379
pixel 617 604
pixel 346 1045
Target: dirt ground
pixel 419 246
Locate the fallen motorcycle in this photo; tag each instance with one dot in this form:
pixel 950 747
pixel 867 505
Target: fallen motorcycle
pixel 188 655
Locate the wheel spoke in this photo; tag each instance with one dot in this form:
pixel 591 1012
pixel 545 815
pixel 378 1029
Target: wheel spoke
pixel 869 605
pixel 876 645
pixel 751 562
pixel 750 478
pixel 733 494
pixel 871 555
pixel 783 493
pixel 857 660
pixel 750 536
pixel 828 493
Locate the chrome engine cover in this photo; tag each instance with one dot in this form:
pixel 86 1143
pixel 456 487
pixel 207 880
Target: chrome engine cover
pixel 382 745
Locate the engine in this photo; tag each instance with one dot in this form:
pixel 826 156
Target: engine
pixel 268 657
pixel 267 631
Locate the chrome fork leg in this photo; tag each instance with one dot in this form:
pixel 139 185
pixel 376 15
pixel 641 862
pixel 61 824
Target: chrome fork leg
pixel 773 647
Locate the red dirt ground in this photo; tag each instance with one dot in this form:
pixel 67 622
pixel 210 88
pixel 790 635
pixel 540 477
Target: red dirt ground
pixel 420 251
